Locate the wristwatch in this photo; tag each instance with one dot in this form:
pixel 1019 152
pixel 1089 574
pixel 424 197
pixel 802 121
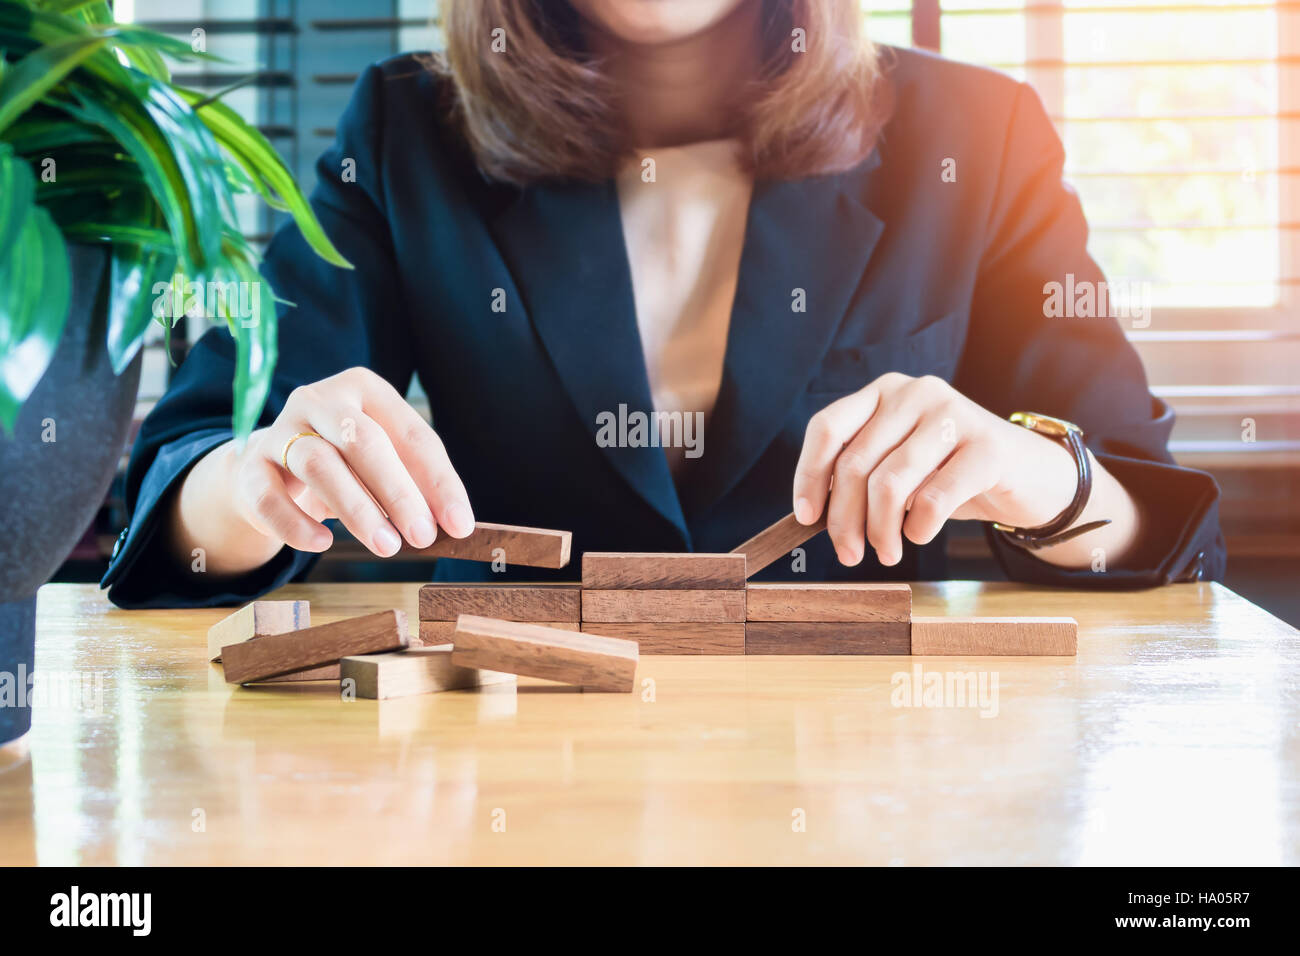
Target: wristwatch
pixel 1058 529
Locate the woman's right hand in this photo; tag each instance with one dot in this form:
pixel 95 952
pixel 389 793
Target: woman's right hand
pixel 377 466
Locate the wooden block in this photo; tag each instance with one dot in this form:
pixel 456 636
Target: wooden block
pixel 686 638
pixel 433 633
pixel 850 601
pixel 510 602
pixel 313 647
pixel 995 636
pixel 416 670
pixel 821 637
pixel 663 606
pixel 611 570
pixel 536 547
pixel 592 661
pixel 776 541
pixel 258 619
pixel 324 672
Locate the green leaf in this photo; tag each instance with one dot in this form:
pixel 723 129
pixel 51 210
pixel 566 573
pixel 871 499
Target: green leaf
pixel 256 339
pixel 35 288
pixel 37 73
pixel 135 270
pixel 266 170
pixel 18 190
pixel 180 161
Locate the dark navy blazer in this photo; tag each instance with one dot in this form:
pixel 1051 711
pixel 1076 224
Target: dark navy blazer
pixel 900 270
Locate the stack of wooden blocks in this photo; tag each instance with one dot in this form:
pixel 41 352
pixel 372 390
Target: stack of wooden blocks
pixel 591 634
pixel 667 603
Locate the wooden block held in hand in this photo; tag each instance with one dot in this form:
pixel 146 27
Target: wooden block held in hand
pixel 995 636
pixel 683 638
pixel 611 570
pixel 776 541
pixel 433 633
pixel 849 601
pixel 663 606
pixel 821 637
pixel 258 619
pixel 416 670
pixel 535 547
pixel 594 662
pixel 510 602
pixel 313 647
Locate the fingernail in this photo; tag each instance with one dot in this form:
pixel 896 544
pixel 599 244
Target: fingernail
pixel 423 532
pixel 803 511
pixel 321 539
pixel 460 520
pixel 887 558
pixel 387 543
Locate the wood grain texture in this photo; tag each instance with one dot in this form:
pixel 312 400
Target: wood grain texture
pixel 416 670
pixel 663 606
pixel 777 540
pixel 683 638
pixel 324 672
pixel 995 636
pixel 839 602
pixel 314 646
pixel 511 602
pixel 591 661
pixel 534 547
pixel 433 633
pixel 820 637
pixel 258 619
pixel 611 570
pixel 704 776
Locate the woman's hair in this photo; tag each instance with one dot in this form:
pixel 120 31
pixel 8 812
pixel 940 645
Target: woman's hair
pixel 541 109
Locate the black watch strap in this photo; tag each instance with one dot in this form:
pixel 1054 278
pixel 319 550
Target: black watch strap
pixel 1058 529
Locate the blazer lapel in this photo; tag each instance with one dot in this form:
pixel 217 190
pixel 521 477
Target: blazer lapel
pixel 563 245
pixel 811 235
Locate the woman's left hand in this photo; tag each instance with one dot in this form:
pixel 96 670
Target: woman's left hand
pixel 907 454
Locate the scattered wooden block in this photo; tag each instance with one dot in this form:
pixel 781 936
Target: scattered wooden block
pixel 277 654
pixel 433 633
pixel 821 637
pixel 850 601
pixel 663 606
pixel 324 672
pixel 259 619
pixel 685 638
pixel 511 602
pixel 611 570
pixel 416 670
pixel 995 636
pixel 536 547
pixel 778 540
pixel 592 661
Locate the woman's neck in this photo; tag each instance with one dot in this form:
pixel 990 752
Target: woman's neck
pixel 685 91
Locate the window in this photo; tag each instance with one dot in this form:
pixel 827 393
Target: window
pixel 1181 123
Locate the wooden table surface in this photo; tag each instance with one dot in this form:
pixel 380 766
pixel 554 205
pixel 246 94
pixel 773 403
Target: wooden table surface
pixel 1174 738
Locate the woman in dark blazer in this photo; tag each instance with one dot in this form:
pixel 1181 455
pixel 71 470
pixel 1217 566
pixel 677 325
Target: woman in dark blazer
pixel 900 222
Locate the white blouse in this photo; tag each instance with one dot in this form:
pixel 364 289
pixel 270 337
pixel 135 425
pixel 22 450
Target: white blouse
pixel 684 225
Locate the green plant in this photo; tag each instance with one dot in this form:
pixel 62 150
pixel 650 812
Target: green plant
pixel 128 159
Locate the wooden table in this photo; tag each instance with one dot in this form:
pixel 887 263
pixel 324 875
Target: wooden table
pixel 1174 738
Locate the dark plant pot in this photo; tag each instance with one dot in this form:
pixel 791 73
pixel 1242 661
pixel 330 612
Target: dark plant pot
pixel 52 488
